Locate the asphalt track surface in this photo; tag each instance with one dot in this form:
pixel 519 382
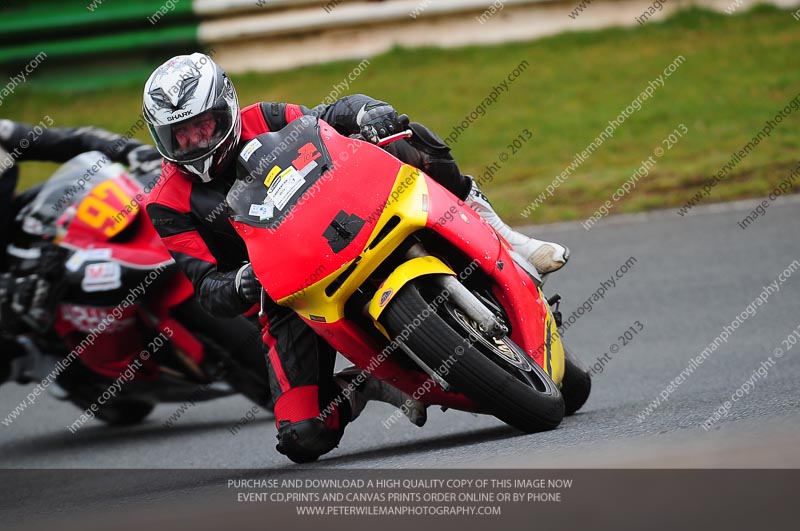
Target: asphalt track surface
pixel 692 276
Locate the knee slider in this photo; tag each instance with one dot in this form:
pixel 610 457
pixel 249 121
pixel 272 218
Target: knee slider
pixel 306 440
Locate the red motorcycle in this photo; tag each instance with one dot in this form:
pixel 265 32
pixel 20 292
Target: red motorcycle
pixel 124 308
pixel 401 277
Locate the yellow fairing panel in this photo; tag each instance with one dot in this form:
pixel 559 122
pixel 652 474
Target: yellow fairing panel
pixel 554 350
pixel 417 267
pixel 408 201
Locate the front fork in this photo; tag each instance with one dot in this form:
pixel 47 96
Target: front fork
pixel 445 278
pixel 421 263
pixel 487 321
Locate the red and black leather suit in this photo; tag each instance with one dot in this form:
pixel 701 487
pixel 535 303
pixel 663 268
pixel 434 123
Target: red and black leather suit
pixel 191 218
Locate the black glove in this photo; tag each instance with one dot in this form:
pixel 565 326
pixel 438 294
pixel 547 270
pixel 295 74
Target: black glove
pixel 247 285
pixel 25 298
pixel 378 120
pixel 144 159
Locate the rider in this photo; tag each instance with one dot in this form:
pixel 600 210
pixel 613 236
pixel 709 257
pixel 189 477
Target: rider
pixel 26 295
pixel 29 294
pixel 193 114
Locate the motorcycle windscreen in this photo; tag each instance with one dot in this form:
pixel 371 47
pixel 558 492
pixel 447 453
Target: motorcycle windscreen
pixel 275 170
pixel 68 186
pixel 304 205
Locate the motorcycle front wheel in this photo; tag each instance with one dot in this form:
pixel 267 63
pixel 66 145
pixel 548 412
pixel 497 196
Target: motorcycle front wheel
pixel 494 373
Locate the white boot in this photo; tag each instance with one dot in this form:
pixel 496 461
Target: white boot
pixel 546 257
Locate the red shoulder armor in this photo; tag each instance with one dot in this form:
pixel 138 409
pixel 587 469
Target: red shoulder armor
pixel 173 189
pixel 293 112
pixel 253 122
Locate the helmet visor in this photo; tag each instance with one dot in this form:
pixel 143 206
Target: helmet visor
pixel 195 138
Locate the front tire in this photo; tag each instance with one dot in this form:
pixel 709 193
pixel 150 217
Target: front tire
pixel 526 399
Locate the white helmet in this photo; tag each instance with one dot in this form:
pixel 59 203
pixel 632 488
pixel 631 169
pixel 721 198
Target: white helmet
pixel 191 109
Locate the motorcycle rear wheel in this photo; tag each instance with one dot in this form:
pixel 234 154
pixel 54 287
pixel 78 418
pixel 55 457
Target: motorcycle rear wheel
pixel 576 384
pixel 124 412
pixel 243 367
pixel 527 399
pixel 246 375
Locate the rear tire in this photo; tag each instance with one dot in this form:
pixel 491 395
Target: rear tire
pixel 234 351
pixel 124 412
pixel 527 400
pixel 84 387
pixel 247 373
pixel 576 384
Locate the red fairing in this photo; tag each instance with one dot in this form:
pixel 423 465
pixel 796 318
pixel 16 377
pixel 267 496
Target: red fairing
pixel 110 344
pixel 342 188
pixel 361 184
pixel 142 247
pixel 105 344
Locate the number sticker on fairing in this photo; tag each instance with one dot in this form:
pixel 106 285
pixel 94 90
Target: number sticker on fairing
pixel 264 211
pixel 84 255
pixel 287 184
pixel 102 276
pixel 250 148
pixel 97 213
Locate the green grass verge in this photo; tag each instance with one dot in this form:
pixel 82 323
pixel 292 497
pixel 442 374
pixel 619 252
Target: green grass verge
pixel 738 72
